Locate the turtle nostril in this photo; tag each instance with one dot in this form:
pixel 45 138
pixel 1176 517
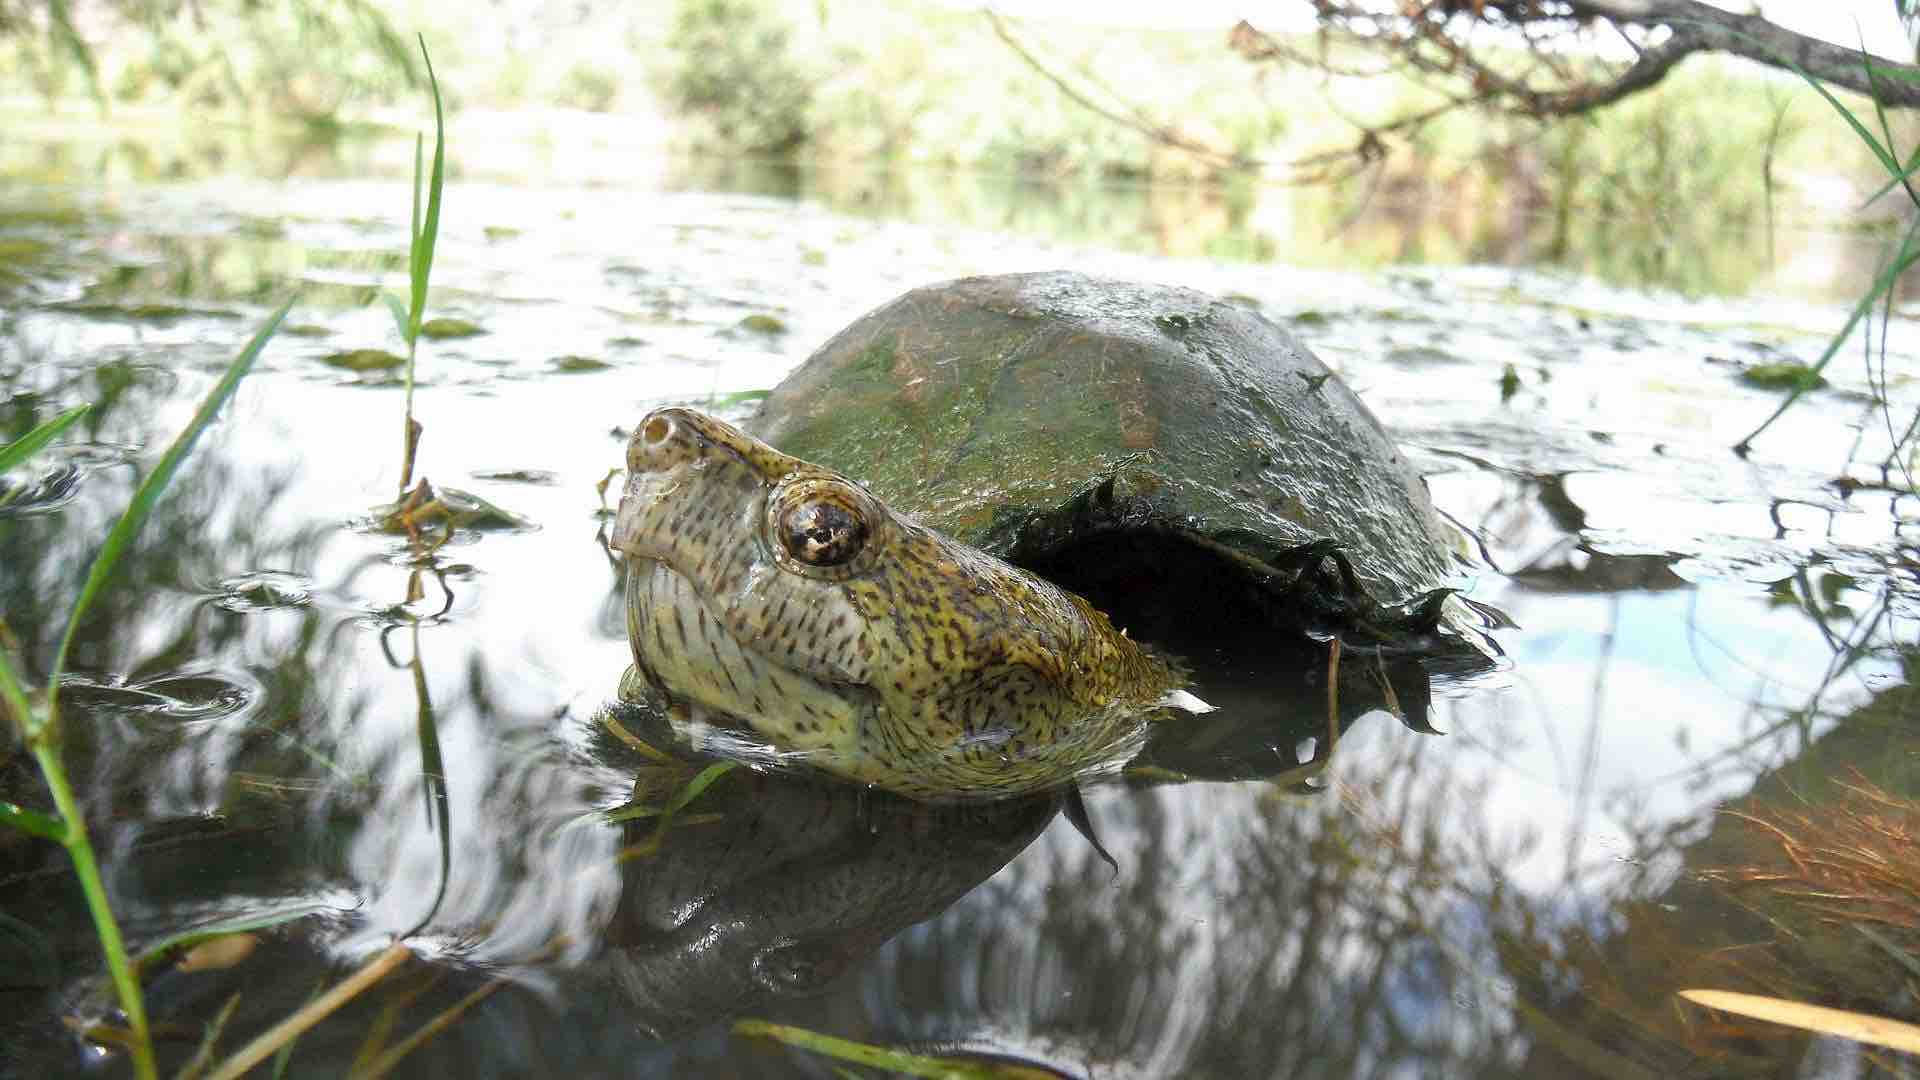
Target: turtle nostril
pixel 656 430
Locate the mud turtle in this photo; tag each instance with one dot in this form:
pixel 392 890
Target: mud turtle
pixel 1128 439
pixel 1178 459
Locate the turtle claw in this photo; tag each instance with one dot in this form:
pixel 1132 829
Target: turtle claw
pixel 1076 808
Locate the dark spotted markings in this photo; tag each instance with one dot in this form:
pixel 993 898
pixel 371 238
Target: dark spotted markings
pixel 897 656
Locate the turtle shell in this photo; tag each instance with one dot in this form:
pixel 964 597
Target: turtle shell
pixel 1067 422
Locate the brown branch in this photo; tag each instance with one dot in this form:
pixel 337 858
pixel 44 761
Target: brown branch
pixel 1748 36
pixel 1163 134
pixel 1650 68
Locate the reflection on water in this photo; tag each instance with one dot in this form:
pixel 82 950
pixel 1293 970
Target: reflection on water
pixel 1520 896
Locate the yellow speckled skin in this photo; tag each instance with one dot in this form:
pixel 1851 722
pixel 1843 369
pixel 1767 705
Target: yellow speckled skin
pixel 918 664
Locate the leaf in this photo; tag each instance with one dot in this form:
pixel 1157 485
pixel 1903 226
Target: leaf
pixel 363 360
pixel 1874 1030
pixel 44 826
pixel 442 328
pixel 1907 256
pixel 156 483
pixel 426 232
pixel 399 309
pixel 33 441
pixel 187 939
pixel 898 1062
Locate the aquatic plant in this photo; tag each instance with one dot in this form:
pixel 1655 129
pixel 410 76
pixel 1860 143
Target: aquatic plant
pixel 422 234
pixel 302 60
pixel 1849 864
pixel 1901 255
pixel 39 723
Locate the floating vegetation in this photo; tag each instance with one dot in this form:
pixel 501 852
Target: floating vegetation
pixel 364 360
pixel 306 330
pixel 425 507
pixel 443 329
pixel 762 323
pixel 160 313
pixel 20 249
pixel 1783 375
pixel 576 363
pixel 1421 356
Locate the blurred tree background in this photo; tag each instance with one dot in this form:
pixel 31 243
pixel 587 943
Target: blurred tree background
pixel 1662 119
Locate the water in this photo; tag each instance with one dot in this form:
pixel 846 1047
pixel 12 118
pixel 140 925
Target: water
pixel 1520 896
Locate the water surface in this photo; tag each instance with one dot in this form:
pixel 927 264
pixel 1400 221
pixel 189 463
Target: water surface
pixel 1522 895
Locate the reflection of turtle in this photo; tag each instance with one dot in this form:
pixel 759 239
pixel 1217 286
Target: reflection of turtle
pixel 1178 460
pixel 775 885
pixel 1131 439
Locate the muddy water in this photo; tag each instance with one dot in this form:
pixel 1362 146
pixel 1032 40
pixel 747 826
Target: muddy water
pixel 279 712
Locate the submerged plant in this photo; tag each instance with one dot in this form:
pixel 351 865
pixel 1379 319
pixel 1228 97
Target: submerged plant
pixel 1840 881
pixel 38 719
pixel 1900 257
pixel 422 235
pixel 39 722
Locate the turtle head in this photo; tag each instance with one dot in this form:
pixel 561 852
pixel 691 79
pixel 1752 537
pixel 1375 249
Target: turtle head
pixel 735 551
pixel 782 595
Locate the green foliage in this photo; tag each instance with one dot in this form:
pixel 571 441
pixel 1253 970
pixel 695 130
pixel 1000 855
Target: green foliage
pixel 1901 256
pixel 41 725
pixel 422 235
pixel 305 59
pixel 734 73
pixel 33 441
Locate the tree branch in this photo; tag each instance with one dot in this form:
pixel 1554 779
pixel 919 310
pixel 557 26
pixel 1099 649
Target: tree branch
pixel 1159 133
pixel 1749 36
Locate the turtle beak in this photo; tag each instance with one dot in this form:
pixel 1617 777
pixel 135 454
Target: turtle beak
pixel 625 519
pixel 662 443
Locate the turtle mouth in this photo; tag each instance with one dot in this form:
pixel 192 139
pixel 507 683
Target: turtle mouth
pixel 689 653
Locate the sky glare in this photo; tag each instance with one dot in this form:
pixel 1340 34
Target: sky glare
pixel 1844 22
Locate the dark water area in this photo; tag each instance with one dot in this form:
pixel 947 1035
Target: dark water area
pixel 1709 650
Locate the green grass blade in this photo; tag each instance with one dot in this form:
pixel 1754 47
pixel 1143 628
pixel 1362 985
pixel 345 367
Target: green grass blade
pixel 1885 154
pixel 32 821
pixel 173 944
pixel 156 482
pixel 1886 129
pixel 13 696
pixel 34 441
pixel 86 870
pixel 1909 254
pixel 1906 174
pixel 416 306
pixel 427 231
pixel 894 1062
pixel 433 770
pixel 398 308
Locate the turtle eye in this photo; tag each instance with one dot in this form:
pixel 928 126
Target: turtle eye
pixel 821 529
